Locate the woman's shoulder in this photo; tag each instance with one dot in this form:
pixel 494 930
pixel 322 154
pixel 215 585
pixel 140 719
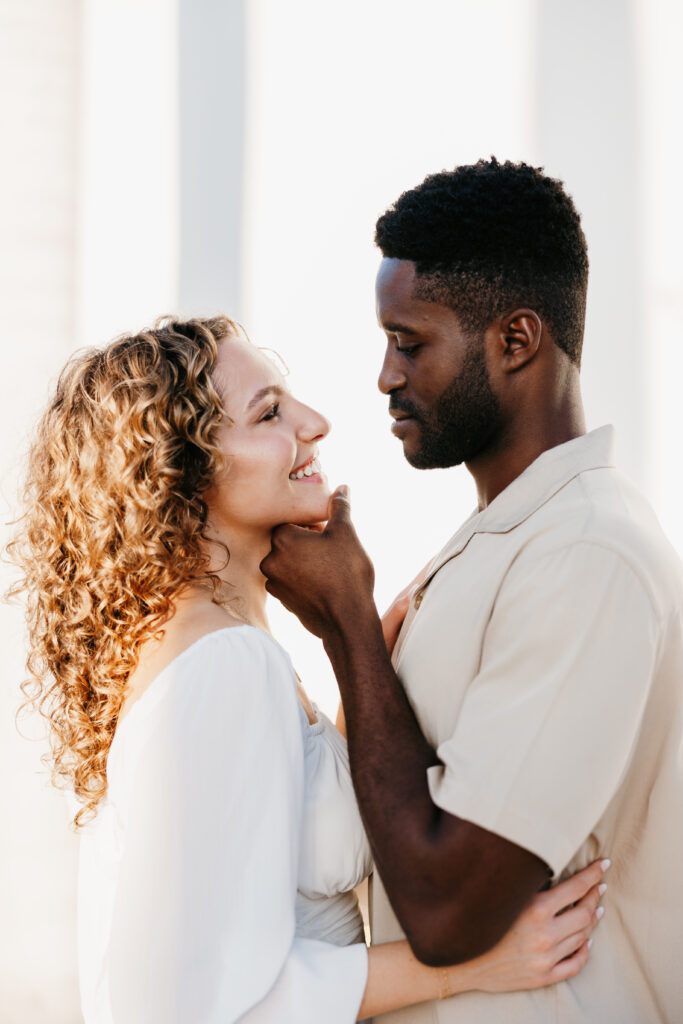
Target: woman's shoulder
pixel 224 710
pixel 233 645
pixel 231 650
pixel 194 619
pixel 237 664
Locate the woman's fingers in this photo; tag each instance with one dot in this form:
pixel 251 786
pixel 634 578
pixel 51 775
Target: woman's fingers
pixel 392 620
pixel 572 944
pixel 584 915
pixel 576 927
pixel 570 967
pixel 561 922
pixel 569 892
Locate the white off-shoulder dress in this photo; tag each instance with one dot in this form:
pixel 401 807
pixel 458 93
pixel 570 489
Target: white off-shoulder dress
pixel 215 881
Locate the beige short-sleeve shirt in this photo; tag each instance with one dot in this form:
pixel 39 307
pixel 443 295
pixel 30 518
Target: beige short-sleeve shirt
pixel 543 657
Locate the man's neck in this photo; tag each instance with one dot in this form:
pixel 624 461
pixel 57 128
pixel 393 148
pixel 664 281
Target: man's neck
pixel 516 449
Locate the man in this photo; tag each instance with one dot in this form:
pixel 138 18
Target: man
pixel 531 720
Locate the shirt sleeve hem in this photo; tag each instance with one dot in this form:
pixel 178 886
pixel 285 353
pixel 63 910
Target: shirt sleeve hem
pixel 517 826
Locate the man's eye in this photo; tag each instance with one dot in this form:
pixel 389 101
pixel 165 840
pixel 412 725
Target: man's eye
pixel 272 412
pixel 407 350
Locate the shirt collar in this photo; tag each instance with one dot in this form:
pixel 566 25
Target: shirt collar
pixel 546 475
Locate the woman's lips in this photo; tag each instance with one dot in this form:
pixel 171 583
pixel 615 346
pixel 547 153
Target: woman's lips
pixel 308 472
pixel 315 478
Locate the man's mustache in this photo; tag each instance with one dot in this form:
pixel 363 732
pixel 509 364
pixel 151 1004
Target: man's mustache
pixel 405 406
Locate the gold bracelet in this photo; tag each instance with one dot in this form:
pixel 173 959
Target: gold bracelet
pixel 444 984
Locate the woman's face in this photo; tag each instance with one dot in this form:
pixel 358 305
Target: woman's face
pixel 270 441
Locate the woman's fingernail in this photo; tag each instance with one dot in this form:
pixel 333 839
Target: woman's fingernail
pixel 599 912
pixel 590 942
pixel 602 888
pixel 605 864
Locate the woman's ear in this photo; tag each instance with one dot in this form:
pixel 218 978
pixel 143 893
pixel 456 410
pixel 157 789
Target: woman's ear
pixel 519 339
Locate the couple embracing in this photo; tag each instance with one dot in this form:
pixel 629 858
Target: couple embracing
pixel 511 724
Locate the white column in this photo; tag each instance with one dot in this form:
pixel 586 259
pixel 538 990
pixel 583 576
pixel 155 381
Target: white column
pixel 212 121
pixel 587 136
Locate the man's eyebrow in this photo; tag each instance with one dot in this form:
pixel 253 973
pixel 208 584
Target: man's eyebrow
pixel 272 389
pixel 398 329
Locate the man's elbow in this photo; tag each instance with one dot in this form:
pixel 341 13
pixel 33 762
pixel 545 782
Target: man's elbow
pixel 441 938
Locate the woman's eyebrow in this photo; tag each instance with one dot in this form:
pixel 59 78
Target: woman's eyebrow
pixel 272 389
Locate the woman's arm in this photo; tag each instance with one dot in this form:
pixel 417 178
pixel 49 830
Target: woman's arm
pixel 548 943
pixel 210 795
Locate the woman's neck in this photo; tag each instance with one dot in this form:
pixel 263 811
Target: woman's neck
pixel 243 584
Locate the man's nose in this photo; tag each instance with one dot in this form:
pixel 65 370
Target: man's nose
pixel 391 376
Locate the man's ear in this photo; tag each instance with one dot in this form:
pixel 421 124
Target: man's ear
pixel 518 339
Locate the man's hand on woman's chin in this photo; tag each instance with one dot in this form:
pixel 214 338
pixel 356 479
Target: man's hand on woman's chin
pixel 322 575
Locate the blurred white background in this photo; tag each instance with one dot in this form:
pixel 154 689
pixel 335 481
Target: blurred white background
pixel 204 155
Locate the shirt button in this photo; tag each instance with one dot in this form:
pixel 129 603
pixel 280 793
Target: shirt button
pixel 418 599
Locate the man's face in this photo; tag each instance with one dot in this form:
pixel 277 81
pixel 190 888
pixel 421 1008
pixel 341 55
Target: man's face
pixel 436 376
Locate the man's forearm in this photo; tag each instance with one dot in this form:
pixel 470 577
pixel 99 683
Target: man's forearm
pixel 389 754
pixel 454 887
pixel 389 760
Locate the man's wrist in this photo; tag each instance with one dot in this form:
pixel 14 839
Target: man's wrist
pixel 357 627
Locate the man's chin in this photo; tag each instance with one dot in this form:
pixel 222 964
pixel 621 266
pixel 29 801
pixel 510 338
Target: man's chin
pixel 416 457
pixel 421 458
pixel 416 460
pixel 412 449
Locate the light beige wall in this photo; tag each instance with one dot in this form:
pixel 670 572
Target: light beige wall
pixel 39 86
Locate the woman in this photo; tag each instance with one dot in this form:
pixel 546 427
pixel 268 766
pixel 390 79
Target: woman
pixel 221 840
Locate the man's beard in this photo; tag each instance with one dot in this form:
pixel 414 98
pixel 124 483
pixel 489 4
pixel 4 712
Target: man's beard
pixel 463 421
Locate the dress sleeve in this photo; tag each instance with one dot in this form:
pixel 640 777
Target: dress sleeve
pixel 548 725
pixel 204 926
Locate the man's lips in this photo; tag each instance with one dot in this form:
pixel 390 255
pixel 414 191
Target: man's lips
pixel 402 424
pixel 404 420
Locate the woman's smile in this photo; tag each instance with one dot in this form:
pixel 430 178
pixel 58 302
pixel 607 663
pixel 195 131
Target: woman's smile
pixel 308 472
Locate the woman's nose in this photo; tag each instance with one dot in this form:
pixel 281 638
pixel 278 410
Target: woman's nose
pixel 391 377
pixel 314 426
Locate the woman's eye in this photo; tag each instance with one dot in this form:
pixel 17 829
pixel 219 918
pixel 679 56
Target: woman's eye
pixel 272 412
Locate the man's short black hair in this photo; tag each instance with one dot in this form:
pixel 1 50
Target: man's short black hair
pixel 489 237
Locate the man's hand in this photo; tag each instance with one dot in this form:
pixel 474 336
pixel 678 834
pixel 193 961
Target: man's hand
pixel 321 576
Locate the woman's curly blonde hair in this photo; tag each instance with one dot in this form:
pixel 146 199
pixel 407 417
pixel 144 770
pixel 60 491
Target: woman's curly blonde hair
pixel 113 527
